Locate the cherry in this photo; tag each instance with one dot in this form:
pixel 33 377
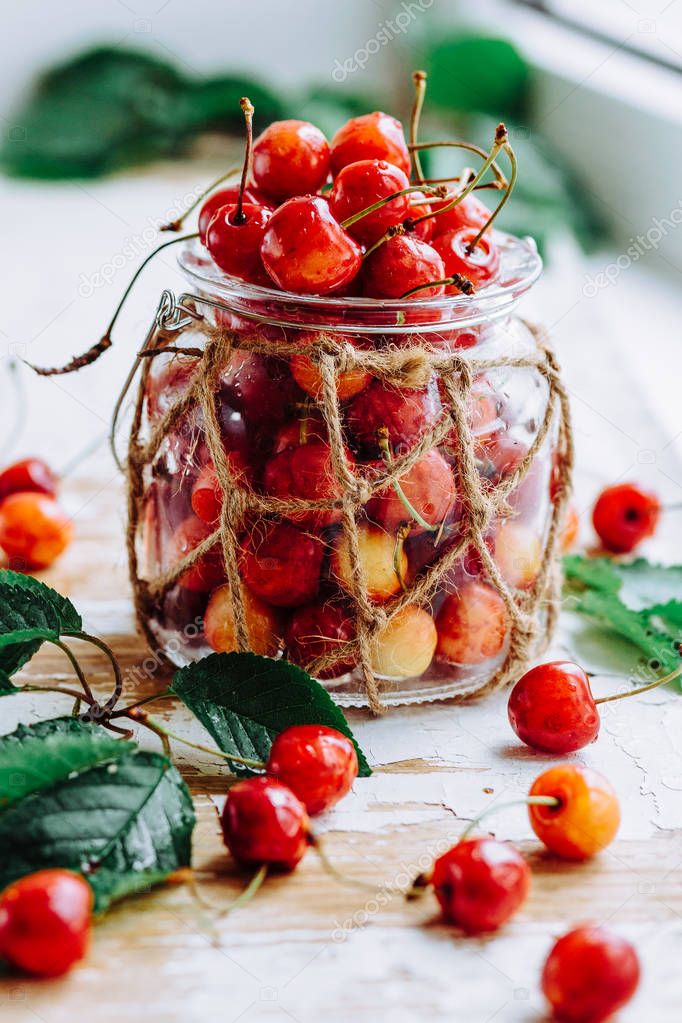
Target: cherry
pixel 34 530
pixel 208 572
pixel 480 883
pixel 262 622
pixel 406 413
pixel 472 624
pixel 168 380
pixel 383 559
pixel 500 453
pixel 624 515
pixel 290 158
pixel 589 975
pixel 259 388
pixel 586 818
pixel 430 490
pixel 360 185
pixel 480 265
pixel 570 530
pixel 551 708
pixel 305 250
pixel 263 822
pixel 45 922
pixel 400 264
pixel 404 648
pixel 375 136
pixel 318 764
pixel 317 630
pixel 281 564
pixel 207 494
pixel 227 196
pixel 308 427
pixel 420 207
pixel 518 554
pixel 306 472
pixel 470 212
pixel 309 378
pixel 234 238
pixel 30 474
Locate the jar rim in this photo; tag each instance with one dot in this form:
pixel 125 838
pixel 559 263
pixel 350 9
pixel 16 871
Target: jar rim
pixel 520 267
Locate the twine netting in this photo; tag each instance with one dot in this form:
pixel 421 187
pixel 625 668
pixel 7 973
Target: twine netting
pixel 531 612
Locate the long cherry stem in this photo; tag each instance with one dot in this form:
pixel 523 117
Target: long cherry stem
pixel 76 667
pixel 526 801
pixel 419 79
pixel 175 225
pixel 447 144
pixel 142 717
pixel 247 108
pixel 437 192
pixel 384 445
pixel 116 668
pixel 457 280
pixel 503 201
pixel 642 689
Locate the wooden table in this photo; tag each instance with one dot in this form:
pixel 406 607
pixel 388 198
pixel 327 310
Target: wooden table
pixel 308 949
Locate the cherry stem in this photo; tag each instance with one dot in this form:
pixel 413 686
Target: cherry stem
pixel 527 801
pixel 247 109
pixel 385 447
pixel 349 221
pixel 77 668
pixel 62 690
pixel 330 869
pixel 503 201
pixel 140 703
pixel 248 893
pixel 401 536
pixel 106 649
pixel 458 280
pixel 419 79
pixel 143 718
pixel 642 689
pixel 501 179
pixel 175 225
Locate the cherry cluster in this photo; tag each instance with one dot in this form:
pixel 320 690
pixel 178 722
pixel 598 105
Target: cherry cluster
pixel 34 530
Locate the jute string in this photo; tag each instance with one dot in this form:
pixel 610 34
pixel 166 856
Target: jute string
pixel 531 612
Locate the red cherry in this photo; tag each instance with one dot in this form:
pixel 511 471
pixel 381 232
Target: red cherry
pixel 589 975
pixel 362 184
pixel 375 136
pixel 308 427
pixel 209 571
pixel 480 266
pixel 290 158
pixel 234 241
pixel 419 207
pixel 470 212
pixel 29 474
pixel 264 822
pixel 45 922
pixel 315 631
pixel 168 380
pixel 307 472
pixel 400 264
pixel 429 486
pixel 405 412
pixel 318 764
pixel 227 196
pixel 207 494
pixel 282 565
pixel 305 250
pixel 551 708
pixel 480 883
pixel 261 389
pixel 624 515
pixel 34 530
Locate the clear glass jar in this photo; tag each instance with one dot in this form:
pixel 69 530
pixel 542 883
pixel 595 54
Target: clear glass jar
pixel 295 567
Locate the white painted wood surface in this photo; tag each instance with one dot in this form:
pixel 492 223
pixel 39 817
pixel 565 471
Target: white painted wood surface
pixel 307 949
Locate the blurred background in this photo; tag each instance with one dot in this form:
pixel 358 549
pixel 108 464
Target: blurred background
pixel 113 115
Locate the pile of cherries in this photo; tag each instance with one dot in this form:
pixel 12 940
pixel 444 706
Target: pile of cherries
pixel 34 530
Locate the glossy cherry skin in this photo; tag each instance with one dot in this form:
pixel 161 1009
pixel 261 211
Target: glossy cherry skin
pixel 480 266
pixel 262 623
pixel 470 212
pixel 404 648
pixel 235 243
pixel 359 185
pixel 318 630
pixel 259 388
pixel 306 472
pixel 375 136
pixel 406 413
pixel 34 530
pixel 551 708
pixel 309 426
pixel 400 264
pixel 472 624
pixel 290 158
pixel 29 474
pixel 305 250
pixel 264 822
pixel 226 196
pixel 429 486
pixel 480 883
pixel 624 515
pixel 587 817
pixel 419 207
pixel 589 975
pixel 45 922
pixel 308 377
pixel 207 494
pixel 208 572
pixel 167 381
pixel 318 764
pixel 282 564
pixel 380 553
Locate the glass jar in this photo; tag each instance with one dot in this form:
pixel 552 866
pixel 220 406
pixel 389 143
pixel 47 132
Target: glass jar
pixel 300 568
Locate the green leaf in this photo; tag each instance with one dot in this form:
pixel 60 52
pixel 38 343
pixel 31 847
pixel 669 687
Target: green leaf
pixel 244 701
pixel 125 826
pixel 40 755
pixel 595 573
pixel 31 613
pixel 640 584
